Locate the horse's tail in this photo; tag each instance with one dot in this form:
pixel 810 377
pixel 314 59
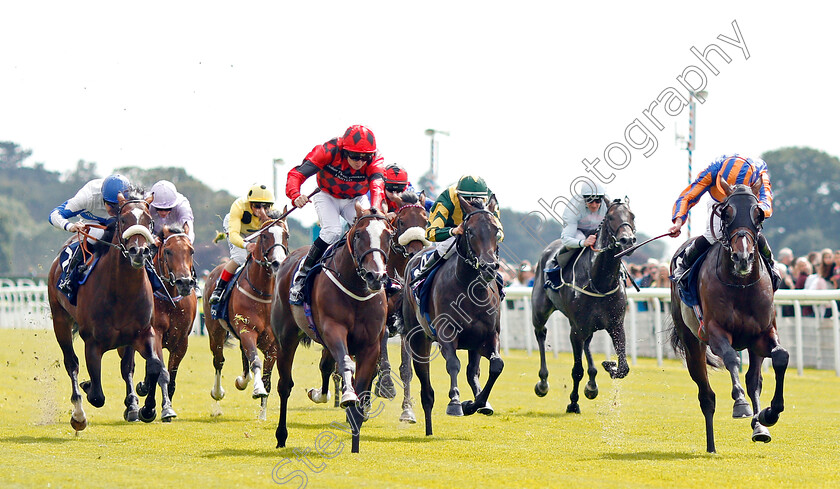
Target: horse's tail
pixel 304 338
pixel 679 348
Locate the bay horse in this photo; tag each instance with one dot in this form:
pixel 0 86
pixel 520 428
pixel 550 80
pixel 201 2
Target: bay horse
pixel 249 309
pixel 464 312
pixel 176 303
pixel 591 296
pixel 113 309
pixel 736 300
pixel 348 312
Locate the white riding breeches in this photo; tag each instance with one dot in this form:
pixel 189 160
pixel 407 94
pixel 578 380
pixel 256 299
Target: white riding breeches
pixel 330 211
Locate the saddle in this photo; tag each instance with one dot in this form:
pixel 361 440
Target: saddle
pixel 80 278
pixel 219 311
pixel 689 293
pixel 555 265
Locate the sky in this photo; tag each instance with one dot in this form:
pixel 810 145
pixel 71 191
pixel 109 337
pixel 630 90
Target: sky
pixel 526 90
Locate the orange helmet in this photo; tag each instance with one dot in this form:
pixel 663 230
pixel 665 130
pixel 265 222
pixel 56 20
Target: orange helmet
pixel 358 139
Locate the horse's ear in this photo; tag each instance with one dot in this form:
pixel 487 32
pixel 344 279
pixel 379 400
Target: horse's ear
pixel 121 199
pixel 150 198
pixel 725 186
pixel 186 228
pixel 492 204
pixel 422 197
pixel 466 206
pixel 383 206
pixel 627 200
pixel 756 186
pixel 359 209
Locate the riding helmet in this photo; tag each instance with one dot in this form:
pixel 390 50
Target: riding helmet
pixel 112 186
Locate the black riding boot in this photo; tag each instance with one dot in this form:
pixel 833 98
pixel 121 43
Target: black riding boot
pixel 66 284
pixel 316 251
pixel 767 254
pixel 425 268
pixel 689 256
pixel 216 296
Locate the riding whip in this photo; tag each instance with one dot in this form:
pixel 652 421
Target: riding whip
pixel 634 248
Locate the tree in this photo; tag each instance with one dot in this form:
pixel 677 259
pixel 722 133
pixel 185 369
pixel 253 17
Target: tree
pixel 11 156
pixel 806 199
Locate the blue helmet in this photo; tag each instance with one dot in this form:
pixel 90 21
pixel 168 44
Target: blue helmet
pixel 112 186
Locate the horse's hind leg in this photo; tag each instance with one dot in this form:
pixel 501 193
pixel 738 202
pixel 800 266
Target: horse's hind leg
pixel 577 372
pixel 541 310
pixel 453 367
pixel 132 405
pixel 156 373
pixel 770 415
pixel 62 326
pixel 327 368
pixel 384 384
pixel 176 355
pixel 721 347
pixel 590 390
pixel 252 364
pixel 695 360
pixel 93 358
pixel 420 348
pixel 269 350
pixel 754 384
pixel 407 415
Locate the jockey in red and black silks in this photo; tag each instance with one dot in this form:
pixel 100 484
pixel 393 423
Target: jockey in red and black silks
pixel 347 168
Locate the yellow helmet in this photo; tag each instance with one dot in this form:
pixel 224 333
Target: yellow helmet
pixel 260 193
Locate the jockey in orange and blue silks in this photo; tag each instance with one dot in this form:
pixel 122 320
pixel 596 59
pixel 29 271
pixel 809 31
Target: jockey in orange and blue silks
pixel 95 203
pixel 734 169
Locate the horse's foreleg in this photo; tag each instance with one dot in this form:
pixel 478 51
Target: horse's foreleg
pixel 769 416
pixel 474 371
pixel 721 346
pixel 384 384
pixel 482 404
pixel 590 390
pixel 270 354
pixel 407 415
pixel 132 405
pixel 620 370
pixel 754 384
pixel 217 345
pixel 577 373
pixel 360 412
pixel 285 357
pixel 155 374
pixel 176 355
pixel 453 367
pixel 695 360
pixel 336 342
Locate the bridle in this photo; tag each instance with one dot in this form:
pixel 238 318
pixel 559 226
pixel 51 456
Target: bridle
pixel 468 255
pixel 265 261
pixel 167 276
pixel 124 235
pixel 743 227
pixel 611 233
pixel 395 244
pixel 351 236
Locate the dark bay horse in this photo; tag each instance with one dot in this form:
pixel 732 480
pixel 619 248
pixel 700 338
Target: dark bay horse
pixel 464 312
pixel 176 303
pixel 113 309
pixel 592 298
pixel 249 310
pixel 736 300
pixel 409 223
pixel 348 310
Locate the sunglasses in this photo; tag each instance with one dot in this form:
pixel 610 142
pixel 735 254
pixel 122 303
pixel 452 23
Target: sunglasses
pixel 395 188
pixel 367 157
pixel 590 199
pixel 261 205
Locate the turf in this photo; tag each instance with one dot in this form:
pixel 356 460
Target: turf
pixel 642 431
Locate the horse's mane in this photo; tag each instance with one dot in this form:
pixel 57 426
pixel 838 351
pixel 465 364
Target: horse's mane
pixel 477 203
pixel 274 214
pixel 409 197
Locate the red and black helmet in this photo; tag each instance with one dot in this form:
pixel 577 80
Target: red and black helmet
pixel 396 178
pixel 358 139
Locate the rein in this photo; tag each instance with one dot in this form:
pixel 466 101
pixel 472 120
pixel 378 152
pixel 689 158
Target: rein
pixel 357 262
pixel 397 246
pixel 470 258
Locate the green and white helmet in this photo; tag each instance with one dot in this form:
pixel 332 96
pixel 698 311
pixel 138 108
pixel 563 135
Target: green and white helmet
pixel 472 187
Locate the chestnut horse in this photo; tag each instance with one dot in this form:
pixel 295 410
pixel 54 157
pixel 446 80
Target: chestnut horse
pixel 248 307
pixel 348 310
pixel 736 300
pixel 464 312
pixel 176 303
pixel 114 309
pixel 592 298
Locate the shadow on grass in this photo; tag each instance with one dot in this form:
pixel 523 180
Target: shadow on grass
pixel 240 452
pixel 35 439
pixel 651 456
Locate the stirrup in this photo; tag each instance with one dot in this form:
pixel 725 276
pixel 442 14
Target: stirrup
pixel 216 296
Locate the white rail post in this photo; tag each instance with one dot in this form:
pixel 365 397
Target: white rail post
pixel 835 323
pixel 797 314
pixel 634 344
pixel 657 322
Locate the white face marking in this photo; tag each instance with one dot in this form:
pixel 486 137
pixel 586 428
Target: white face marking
pixel 138 213
pixel 278 252
pixel 375 230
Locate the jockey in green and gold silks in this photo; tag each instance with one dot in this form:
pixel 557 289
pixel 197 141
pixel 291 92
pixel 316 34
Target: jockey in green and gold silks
pixel 446 217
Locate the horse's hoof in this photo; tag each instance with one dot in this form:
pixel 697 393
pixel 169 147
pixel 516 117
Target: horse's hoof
pixel 761 433
pixel 486 410
pixel 348 399
pixel 454 408
pixel 315 396
pixel 573 408
pixel 142 389
pixel 85 386
pixel 241 383
pixel 407 416
pixel 469 408
pixel 590 392
pixel 385 387
pixel 78 425
pixel 541 389
pixel 217 395
pixel 130 415
pixel 147 415
pixel 768 417
pixel 259 393
pixel 741 409
pixel 167 415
